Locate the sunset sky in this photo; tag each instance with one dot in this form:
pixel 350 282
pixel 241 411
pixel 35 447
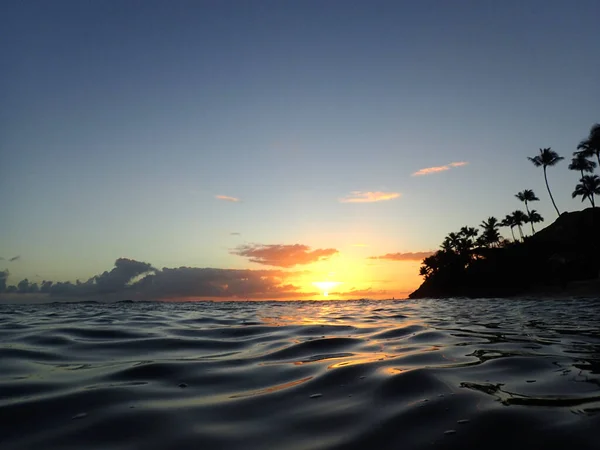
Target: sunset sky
pixel 326 145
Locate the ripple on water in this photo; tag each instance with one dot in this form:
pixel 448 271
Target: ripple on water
pixel 301 375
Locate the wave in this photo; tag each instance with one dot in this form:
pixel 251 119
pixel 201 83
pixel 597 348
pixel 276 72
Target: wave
pixel 443 374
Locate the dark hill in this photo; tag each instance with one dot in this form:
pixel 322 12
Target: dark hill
pixel 566 251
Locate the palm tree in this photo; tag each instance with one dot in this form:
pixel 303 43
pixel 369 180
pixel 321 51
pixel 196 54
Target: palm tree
pixel 589 186
pixel 468 234
pixel 527 196
pixel 581 163
pixel 546 158
pixel 520 218
pixel 490 234
pixel 590 146
pixel 451 242
pixel 509 222
pixel 534 217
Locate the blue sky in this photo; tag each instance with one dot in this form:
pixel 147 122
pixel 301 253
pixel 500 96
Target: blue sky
pixel 122 120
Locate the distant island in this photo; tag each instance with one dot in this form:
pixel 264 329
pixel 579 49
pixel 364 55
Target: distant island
pixel 562 259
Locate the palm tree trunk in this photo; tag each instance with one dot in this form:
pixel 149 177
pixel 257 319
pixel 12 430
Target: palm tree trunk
pixel 592 200
pixel 528 215
pixel 550 193
pixel 513 233
pixel 521 232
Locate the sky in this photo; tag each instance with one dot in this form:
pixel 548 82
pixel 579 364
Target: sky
pixel 288 141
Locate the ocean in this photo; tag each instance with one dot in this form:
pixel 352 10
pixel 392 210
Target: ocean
pixel 427 374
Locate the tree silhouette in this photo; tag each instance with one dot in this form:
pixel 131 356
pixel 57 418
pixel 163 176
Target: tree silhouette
pixel 519 218
pixel 527 196
pixel 509 222
pixel 590 146
pixel 490 235
pixel 581 163
pixel 534 217
pixel 588 187
pixel 545 159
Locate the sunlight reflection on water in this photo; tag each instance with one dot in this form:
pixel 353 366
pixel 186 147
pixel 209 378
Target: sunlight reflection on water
pixel 300 375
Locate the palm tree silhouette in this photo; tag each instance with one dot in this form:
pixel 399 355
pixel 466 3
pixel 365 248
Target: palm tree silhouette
pixel 587 188
pixel 590 146
pixel 508 221
pixel 527 196
pixel 490 235
pixel 546 158
pixel 519 218
pixel 534 217
pixel 581 163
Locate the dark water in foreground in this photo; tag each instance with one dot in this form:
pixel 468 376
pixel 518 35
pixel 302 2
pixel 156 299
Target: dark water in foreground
pixel 354 375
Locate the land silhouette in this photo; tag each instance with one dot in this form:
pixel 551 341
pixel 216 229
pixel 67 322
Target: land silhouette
pixel 561 258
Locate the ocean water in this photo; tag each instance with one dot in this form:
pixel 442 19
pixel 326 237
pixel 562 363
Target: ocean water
pixel 447 374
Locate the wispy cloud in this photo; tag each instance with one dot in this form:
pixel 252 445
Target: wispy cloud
pixel 235 233
pixel 416 256
pixel 360 245
pixel 14 258
pixel 227 198
pixel 437 169
pixel 369 197
pixel 283 255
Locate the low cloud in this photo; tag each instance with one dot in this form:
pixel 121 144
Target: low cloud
pixel 14 258
pixel 227 198
pixel 437 169
pixel 235 233
pixel 416 256
pixel 283 255
pixel 136 280
pixel 369 197
pixel 219 283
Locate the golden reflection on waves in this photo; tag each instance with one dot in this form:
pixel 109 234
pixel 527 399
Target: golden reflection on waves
pixel 270 389
pixel 327 322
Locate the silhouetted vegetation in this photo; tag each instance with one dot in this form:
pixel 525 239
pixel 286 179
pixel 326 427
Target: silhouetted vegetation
pixel 491 266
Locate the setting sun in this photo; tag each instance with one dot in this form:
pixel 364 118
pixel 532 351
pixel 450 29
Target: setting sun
pixel 326 286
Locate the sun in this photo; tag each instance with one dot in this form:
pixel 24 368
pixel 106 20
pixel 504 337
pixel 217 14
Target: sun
pixel 326 286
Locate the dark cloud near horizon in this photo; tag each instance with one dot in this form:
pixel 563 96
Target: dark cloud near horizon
pixel 217 283
pixel 416 256
pixel 3 277
pixel 116 280
pixel 283 255
pixel 131 279
pixel 14 258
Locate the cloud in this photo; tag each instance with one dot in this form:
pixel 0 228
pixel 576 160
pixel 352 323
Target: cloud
pixel 218 283
pixel 360 245
pixel 437 169
pixel 283 255
pixel 235 233
pixel 1 258
pixel 131 279
pixel 227 198
pixel 416 256
pixel 14 258
pixel 369 197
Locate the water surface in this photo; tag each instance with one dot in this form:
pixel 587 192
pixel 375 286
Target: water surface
pixel 448 374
